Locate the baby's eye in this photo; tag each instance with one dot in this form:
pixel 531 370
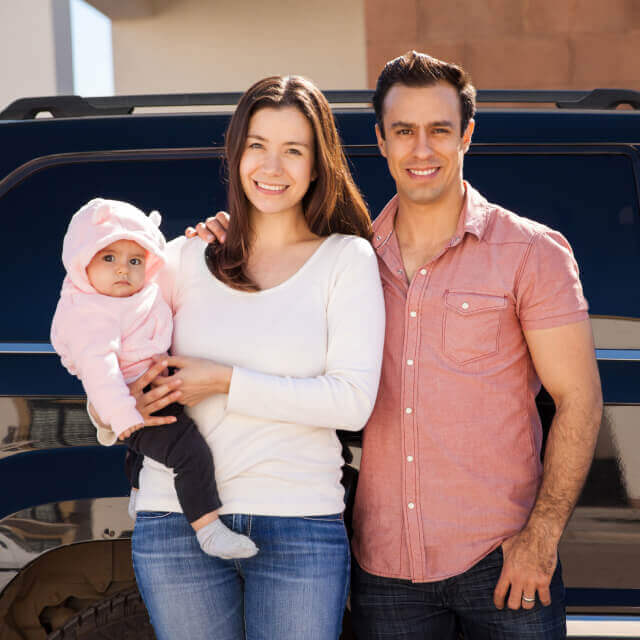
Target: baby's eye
pixel 108 258
pixel 135 261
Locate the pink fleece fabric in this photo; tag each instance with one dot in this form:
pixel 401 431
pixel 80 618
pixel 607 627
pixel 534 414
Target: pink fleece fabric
pixel 106 341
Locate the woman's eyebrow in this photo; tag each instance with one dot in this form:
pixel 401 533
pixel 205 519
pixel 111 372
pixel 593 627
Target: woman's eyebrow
pixel 290 142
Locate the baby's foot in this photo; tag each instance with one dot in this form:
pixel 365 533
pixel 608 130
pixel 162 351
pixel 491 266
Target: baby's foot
pixel 217 540
pixel 131 509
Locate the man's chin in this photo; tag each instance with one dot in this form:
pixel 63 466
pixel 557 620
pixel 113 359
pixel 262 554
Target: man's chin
pixel 424 197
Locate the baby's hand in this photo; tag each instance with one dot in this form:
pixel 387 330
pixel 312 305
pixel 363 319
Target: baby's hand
pixel 127 432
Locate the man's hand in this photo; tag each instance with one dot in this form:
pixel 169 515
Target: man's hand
pixel 213 228
pixel 529 561
pixel 127 432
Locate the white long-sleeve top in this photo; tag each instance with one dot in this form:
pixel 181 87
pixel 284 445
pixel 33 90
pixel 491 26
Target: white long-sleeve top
pixel 306 357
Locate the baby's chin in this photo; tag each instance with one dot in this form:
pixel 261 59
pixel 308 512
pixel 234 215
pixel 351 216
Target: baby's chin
pixel 121 291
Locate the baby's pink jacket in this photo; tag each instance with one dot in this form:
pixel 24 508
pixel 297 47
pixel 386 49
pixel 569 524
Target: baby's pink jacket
pixel 108 341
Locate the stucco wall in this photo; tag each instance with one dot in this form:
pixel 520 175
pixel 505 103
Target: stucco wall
pixel 514 44
pixel 197 45
pixel 26 50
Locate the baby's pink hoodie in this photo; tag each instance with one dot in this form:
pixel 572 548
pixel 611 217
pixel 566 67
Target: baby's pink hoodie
pixel 107 341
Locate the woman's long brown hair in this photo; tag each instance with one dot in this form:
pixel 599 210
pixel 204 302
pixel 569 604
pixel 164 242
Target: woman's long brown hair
pixel 332 203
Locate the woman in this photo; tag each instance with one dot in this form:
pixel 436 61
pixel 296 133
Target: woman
pixel 278 335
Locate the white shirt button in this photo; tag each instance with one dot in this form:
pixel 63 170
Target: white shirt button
pixel 413 314
pixel 465 305
pixel 423 272
pixel 409 458
pixel 410 363
pixel 411 505
pixel 408 410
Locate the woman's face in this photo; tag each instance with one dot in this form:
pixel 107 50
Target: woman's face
pixel 277 163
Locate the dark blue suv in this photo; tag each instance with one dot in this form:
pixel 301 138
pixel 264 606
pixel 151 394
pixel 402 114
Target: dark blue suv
pixel 65 569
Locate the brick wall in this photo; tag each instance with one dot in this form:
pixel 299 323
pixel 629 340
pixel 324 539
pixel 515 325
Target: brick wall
pixel 513 44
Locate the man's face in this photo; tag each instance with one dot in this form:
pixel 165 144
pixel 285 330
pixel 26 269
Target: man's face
pixel 423 143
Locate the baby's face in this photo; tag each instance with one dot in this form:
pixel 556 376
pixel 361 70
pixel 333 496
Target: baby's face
pixel 118 270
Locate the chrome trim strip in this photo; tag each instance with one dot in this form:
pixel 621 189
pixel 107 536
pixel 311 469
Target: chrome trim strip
pixel 37 348
pixel 618 354
pixel 46 348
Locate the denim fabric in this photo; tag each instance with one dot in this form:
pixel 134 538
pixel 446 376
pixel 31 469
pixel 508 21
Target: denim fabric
pixel 295 588
pixel 386 608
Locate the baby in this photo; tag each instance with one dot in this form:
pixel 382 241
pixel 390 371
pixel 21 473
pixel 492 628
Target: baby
pixel 110 320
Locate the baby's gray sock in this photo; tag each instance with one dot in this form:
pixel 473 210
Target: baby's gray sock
pixel 218 540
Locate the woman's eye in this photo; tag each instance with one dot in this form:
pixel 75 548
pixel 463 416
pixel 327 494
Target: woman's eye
pixel 255 145
pixel 295 152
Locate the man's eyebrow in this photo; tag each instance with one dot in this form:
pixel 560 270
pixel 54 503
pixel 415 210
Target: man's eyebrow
pixel 442 123
pixel 401 124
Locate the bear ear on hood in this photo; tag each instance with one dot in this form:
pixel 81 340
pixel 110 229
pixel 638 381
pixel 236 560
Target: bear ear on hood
pixel 101 214
pixel 155 217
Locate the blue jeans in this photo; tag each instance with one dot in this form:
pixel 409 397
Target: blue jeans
pixel 294 588
pixel 387 608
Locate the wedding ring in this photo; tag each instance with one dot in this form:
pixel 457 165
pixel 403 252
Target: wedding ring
pixel 526 599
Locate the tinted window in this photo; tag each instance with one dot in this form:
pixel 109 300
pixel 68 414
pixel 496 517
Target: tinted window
pixel 35 215
pixel 591 199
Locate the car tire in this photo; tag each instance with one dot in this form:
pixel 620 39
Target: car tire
pixel 121 617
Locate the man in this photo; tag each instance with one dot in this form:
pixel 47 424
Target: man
pixel 456 522
pixel 454 515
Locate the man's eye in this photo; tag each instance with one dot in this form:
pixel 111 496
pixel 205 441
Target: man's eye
pixel 404 132
pixel 440 130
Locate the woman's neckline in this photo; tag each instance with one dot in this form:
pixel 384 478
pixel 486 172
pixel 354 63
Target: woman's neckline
pixel 294 276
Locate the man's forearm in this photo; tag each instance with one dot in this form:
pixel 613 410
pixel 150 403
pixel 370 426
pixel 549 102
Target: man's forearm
pixel 568 456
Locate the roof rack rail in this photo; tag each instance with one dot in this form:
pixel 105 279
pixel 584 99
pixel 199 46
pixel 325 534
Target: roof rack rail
pixel 595 99
pixel 76 106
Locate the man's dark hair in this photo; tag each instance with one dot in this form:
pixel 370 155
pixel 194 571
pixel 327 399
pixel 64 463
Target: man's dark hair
pixel 415 69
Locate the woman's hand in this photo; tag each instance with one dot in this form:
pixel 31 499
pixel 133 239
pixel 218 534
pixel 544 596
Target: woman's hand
pixel 199 378
pixel 213 228
pixel 162 394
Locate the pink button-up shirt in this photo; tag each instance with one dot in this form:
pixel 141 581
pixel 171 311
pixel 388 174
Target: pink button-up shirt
pixel 451 455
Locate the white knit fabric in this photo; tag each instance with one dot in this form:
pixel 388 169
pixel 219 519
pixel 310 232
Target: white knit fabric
pixel 306 357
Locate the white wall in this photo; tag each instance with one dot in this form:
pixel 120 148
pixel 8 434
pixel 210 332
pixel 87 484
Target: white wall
pixel 221 45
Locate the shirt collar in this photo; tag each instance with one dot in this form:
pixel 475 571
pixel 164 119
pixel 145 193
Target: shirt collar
pixel 474 218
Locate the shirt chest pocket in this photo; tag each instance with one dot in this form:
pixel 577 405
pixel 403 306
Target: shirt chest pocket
pixel 471 325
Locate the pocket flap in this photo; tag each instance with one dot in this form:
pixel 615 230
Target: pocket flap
pixel 473 302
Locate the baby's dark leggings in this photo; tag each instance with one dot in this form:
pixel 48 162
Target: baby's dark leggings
pixel 181 447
